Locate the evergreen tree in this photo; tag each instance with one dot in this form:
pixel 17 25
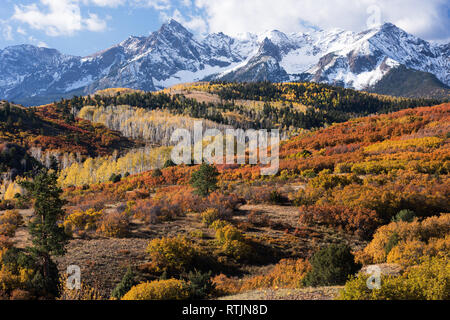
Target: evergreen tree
pixel 48 238
pixel 114 178
pixel 204 180
pixel 169 163
pixel 200 284
pixel 331 266
pixel 128 281
pixel 157 173
pixel 54 165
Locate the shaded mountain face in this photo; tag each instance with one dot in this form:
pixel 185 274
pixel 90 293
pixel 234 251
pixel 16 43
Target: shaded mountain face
pixel 172 55
pixel 410 83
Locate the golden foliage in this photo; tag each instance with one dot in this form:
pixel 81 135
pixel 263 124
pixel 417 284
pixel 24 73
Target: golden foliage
pixel 286 274
pixel 209 216
pixel 97 170
pixel 85 293
pixel 11 191
pixel 428 281
pixel 409 235
pixel 81 221
pixel 10 220
pixel 159 290
pixel 232 242
pixel 228 233
pixel 113 225
pixel 11 280
pixel 172 255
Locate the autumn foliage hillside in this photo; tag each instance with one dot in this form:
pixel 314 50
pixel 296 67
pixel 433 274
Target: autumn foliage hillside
pixel 48 128
pixel 370 168
pixel 379 184
pixel 348 193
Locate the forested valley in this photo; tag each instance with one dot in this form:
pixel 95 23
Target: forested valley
pixel 363 182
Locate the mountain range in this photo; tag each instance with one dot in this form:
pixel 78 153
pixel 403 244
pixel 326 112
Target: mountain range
pixel 385 60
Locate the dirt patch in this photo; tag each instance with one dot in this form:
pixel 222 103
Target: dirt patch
pixel 322 293
pixel 285 214
pixel 103 262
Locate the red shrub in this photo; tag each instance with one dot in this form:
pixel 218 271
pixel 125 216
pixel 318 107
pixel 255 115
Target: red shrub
pixel 363 222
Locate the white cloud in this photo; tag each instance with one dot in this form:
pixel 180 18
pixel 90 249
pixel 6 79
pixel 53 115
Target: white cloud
pixel 186 3
pixel 21 31
pixel 428 19
pixel 94 23
pixel 42 44
pixel 155 4
pixel 60 17
pixel 37 42
pixel 105 3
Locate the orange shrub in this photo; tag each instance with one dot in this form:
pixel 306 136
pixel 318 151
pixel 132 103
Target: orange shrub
pixel 422 231
pixel 360 221
pixel 114 225
pixel 286 274
pixel 226 286
pixel 413 252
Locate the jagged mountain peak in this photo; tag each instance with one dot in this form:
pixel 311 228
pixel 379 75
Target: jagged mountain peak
pixel 390 30
pixel 29 49
pixel 276 36
pixel 389 27
pixel 268 48
pixel 174 27
pixel 219 36
pixel 172 55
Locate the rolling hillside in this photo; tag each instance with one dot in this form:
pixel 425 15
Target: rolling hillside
pixel 368 180
pixel 339 184
pixel 53 128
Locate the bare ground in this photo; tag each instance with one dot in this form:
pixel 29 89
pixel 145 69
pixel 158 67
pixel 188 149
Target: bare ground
pixel 322 293
pixel 103 262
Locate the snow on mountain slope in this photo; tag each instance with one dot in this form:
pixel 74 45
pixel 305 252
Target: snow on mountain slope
pixel 357 60
pixel 373 53
pixel 174 55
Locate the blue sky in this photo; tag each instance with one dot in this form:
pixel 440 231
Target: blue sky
pixel 82 27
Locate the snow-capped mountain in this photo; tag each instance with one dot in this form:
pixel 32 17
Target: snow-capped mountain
pixel 354 60
pixel 174 55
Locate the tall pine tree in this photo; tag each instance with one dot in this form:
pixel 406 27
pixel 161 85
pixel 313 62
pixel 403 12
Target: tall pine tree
pixel 48 238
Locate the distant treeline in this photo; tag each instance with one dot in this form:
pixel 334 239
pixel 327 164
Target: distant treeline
pixel 326 104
